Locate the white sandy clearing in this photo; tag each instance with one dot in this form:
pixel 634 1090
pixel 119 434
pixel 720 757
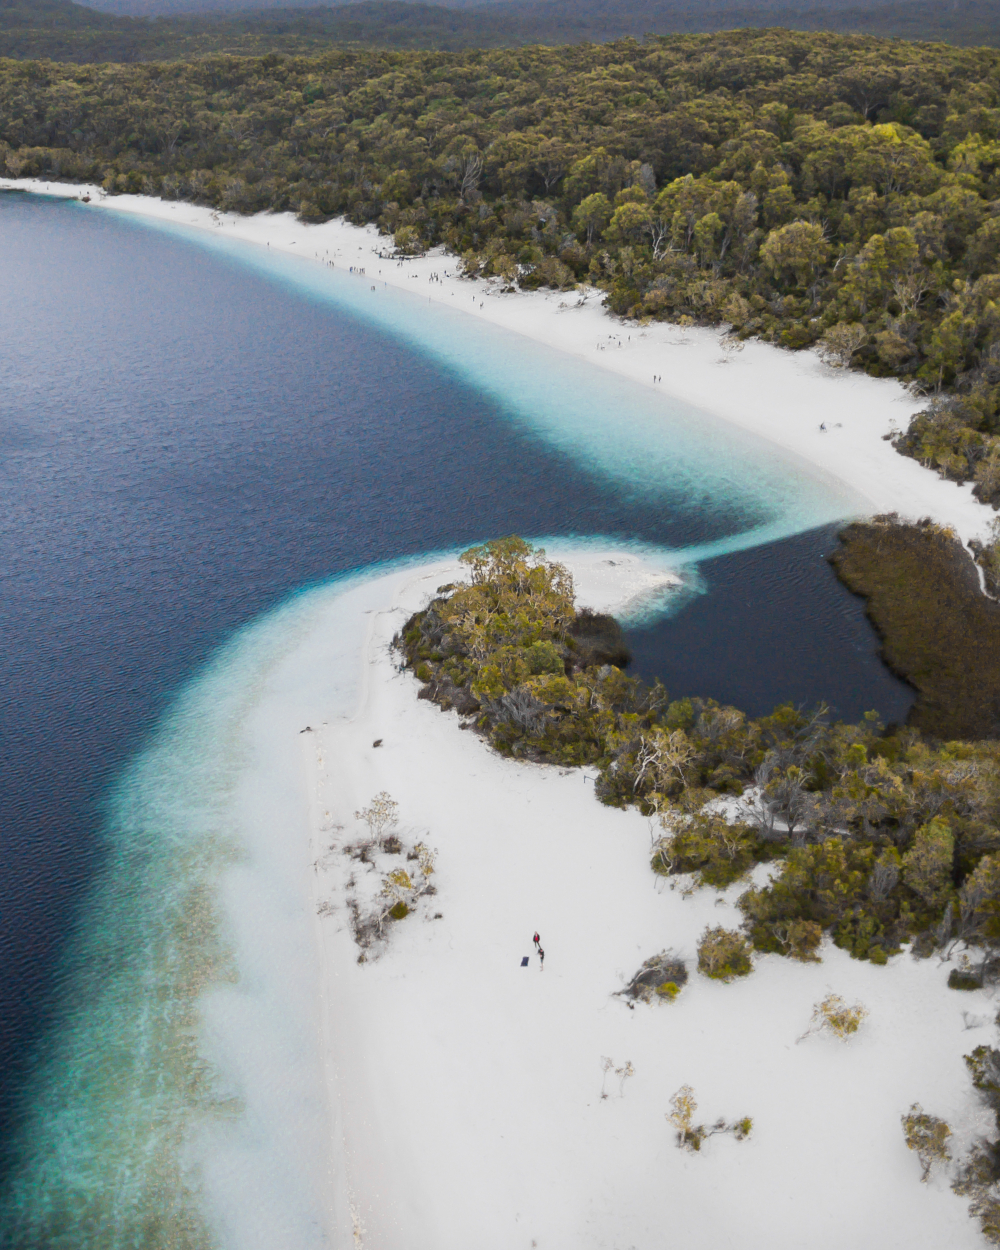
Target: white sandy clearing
pixel 464 1090
pixel 782 396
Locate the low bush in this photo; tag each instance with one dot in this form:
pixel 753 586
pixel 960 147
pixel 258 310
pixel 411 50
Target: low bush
pixel 927 1136
pixel 833 1015
pixel 717 852
pixel 691 1136
pixel 663 975
pixel 724 954
pixel 979 1172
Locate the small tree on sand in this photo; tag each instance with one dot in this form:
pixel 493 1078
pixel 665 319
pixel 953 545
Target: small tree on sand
pixel 834 1015
pixel 927 1136
pixel 690 1135
pixel 622 1073
pixel 380 814
pixel 724 954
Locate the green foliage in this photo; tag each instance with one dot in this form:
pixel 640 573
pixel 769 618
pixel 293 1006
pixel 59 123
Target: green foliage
pixel 799 939
pixel 927 865
pixel 398 911
pixel 833 1015
pixel 691 1136
pixel 717 851
pixel 980 1171
pixel 543 656
pixel 60 30
pixel 882 838
pixel 939 632
pixel 724 954
pixel 824 884
pixel 927 1136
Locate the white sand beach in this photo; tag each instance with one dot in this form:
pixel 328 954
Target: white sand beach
pixel 782 396
pixel 464 1090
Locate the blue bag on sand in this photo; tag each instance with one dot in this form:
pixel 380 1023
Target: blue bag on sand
pixel 524 961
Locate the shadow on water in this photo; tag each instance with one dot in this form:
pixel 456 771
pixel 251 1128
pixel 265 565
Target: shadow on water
pixel 774 625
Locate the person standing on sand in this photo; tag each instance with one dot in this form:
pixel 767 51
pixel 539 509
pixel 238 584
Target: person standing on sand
pixel 541 959
pixel 536 939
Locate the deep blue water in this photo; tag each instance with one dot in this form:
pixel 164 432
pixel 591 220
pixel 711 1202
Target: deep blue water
pixel 185 439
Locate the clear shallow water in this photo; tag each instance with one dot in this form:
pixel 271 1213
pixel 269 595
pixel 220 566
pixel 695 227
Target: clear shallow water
pixel 189 433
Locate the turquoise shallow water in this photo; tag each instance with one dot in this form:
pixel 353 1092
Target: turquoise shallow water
pixel 647 446
pixel 199 446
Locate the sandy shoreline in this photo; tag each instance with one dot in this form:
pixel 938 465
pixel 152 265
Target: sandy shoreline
pixel 782 397
pixel 466 1089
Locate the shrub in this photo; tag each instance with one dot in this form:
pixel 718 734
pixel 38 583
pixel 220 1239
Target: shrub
pixel 927 1136
pixel 380 814
pixel 800 939
pixel 718 853
pixel 980 1171
pixel 724 954
pixel 399 911
pixel 690 1135
pixel 839 344
pixel 663 975
pixel 834 1014
pixel 927 865
pixel 544 656
pixel 959 980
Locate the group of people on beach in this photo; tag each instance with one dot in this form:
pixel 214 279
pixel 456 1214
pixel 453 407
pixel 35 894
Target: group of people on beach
pixel 538 947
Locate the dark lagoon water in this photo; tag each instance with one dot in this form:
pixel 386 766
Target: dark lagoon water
pixel 190 433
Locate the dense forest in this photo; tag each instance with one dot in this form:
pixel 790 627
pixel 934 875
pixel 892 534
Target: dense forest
pixel 63 31
pixel 803 188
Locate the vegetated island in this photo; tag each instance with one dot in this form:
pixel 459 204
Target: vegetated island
pixel 878 837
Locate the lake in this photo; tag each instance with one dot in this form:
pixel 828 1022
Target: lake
pixel 191 434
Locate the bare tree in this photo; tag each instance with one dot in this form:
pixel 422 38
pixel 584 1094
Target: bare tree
pixel 380 814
